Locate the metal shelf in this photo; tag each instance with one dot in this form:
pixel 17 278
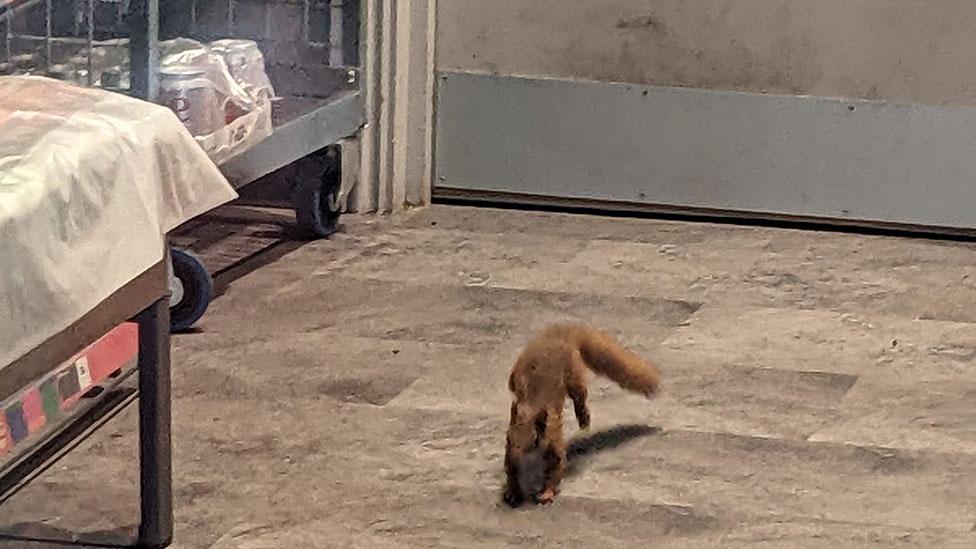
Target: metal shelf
pixel 302 126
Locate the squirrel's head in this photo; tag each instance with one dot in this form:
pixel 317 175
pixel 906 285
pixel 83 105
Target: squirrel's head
pixel 527 427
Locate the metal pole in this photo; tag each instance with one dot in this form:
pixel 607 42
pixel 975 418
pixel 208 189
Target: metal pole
pixel 336 54
pixel 79 16
pixel 144 44
pixel 91 40
pixel 8 38
pixel 155 444
pixel 231 16
pixel 48 15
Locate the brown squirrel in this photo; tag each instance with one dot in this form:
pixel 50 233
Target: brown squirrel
pixel 551 367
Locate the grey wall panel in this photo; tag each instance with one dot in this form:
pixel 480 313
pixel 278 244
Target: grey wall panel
pixel 708 149
pixel 906 51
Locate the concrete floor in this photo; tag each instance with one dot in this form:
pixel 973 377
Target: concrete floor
pixel 819 392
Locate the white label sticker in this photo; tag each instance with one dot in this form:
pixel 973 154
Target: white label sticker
pixel 84 374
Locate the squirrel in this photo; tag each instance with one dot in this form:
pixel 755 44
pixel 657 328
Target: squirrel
pixel 551 367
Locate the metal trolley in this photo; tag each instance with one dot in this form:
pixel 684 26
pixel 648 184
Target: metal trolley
pixel 311 49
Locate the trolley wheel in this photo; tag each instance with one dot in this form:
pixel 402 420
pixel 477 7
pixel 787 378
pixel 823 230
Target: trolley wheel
pixel 316 196
pixel 192 290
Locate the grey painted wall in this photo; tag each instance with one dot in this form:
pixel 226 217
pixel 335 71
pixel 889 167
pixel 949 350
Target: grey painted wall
pixel 723 104
pixel 719 150
pixel 906 51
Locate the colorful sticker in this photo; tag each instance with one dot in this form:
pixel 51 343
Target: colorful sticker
pixel 84 372
pixel 33 410
pixel 6 442
pixel 16 422
pixel 23 415
pixel 68 385
pixel 50 400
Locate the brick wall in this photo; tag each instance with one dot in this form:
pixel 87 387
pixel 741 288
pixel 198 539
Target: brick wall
pixel 298 61
pixel 277 25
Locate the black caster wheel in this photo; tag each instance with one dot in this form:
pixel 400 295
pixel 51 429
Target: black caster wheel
pixel 316 196
pixel 192 290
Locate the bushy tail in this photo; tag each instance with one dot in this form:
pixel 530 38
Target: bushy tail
pixel 604 356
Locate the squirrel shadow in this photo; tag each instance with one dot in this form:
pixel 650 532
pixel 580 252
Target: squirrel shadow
pixel 581 449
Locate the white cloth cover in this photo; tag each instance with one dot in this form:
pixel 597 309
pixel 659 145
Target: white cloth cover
pixel 90 183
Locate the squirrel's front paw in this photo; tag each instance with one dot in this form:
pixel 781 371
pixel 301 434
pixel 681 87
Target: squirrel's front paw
pixel 545 497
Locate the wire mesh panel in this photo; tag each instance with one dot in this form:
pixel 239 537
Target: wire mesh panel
pixel 327 29
pixel 309 49
pixel 308 44
pixel 86 41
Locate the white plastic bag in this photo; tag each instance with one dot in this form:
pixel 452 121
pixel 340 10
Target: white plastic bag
pixel 246 65
pixel 223 115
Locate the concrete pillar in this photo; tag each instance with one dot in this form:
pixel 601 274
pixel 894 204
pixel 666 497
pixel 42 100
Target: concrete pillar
pixel 396 149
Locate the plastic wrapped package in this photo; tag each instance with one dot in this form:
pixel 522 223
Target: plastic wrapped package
pixel 90 183
pixel 246 65
pixel 226 115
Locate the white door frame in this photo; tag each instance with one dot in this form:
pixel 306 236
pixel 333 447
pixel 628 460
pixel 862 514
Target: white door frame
pixel 396 145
